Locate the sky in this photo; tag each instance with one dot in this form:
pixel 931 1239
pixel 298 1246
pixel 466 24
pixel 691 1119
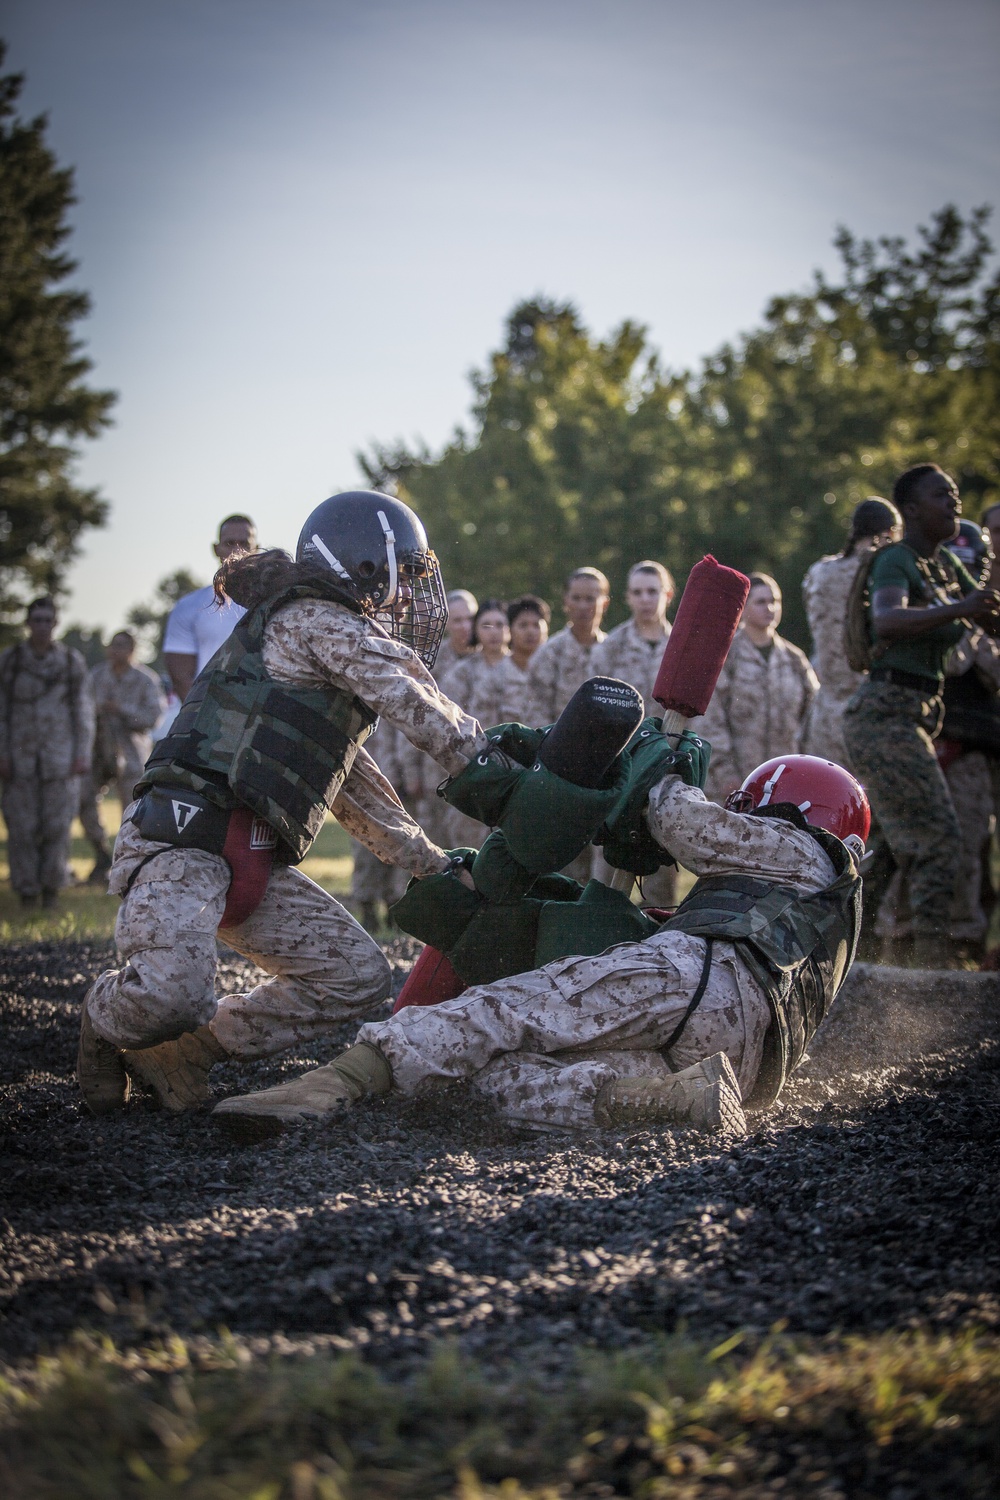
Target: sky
pixel 303 222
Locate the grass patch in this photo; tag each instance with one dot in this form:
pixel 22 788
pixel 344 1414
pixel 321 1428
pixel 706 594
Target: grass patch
pixel 855 1417
pixel 87 911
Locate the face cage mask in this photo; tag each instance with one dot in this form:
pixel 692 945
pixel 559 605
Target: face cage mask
pixel 420 623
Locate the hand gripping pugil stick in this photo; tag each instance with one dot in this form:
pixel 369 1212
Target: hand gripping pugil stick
pixel 703 631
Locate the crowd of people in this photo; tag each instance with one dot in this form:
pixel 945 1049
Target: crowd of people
pixel 918 721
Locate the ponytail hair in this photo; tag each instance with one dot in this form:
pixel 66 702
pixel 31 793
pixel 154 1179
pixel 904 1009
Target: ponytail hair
pixel 871 517
pixel 249 578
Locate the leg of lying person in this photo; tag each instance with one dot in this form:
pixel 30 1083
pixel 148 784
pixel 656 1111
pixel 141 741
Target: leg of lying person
pixel 630 999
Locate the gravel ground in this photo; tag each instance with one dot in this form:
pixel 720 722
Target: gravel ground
pixel 865 1200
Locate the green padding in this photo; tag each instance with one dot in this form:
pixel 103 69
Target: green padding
pixel 497 874
pixel 556 888
pixel 548 820
pixel 600 919
pixel 482 790
pixel 628 843
pixel 499 941
pixel 438 908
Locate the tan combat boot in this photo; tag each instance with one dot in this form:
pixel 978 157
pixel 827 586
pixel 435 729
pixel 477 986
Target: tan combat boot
pixel 100 1071
pixel 177 1071
pixel 315 1096
pixel 706 1096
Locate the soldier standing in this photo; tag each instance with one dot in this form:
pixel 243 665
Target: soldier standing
pixel 826 589
pixel 528 617
pixel 633 652
pixel 476 684
pixel 761 704
pixel 566 660
pixel 46 735
pixel 128 700
pixel 419 775
pixel 920 603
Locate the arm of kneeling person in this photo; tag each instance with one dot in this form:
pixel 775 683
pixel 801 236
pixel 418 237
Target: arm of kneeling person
pixel 368 808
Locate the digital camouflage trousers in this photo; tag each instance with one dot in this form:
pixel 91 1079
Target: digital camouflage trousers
pixel 889 732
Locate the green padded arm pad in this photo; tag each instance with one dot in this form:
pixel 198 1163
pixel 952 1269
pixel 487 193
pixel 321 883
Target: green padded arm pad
pixel 438 908
pixel 547 820
pixel 497 874
pixel 601 919
pixel 628 843
pixel 481 790
pixel 498 941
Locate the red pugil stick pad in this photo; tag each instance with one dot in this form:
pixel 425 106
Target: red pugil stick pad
pixel 703 631
pixel 431 980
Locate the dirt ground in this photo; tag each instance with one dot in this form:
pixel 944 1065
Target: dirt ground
pixel 866 1200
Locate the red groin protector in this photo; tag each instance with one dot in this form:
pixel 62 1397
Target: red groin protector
pixel 249 852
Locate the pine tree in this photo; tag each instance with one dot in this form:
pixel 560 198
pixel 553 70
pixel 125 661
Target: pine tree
pixel 45 406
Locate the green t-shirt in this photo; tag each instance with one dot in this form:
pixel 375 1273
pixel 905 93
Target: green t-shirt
pixel 924 580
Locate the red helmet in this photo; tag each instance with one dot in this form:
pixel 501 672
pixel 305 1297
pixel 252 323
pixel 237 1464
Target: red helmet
pixel 826 795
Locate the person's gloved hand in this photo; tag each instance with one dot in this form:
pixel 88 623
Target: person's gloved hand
pixel 628 843
pixel 483 789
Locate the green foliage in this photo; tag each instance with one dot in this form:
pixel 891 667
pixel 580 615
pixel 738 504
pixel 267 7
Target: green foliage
pixel 148 622
pixel 44 403
pixel 587 451
pixel 915 1414
pixel 87 640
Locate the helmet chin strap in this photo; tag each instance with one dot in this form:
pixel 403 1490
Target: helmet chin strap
pixel 769 786
pixel 390 552
pixel 334 562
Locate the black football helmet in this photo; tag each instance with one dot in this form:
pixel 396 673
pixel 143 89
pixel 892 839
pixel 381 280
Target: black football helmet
pixel 378 548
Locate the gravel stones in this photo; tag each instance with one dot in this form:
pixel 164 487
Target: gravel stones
pixel 866 1199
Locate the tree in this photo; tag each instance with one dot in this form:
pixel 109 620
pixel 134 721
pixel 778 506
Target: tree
pixel 45 405
pixel 587 451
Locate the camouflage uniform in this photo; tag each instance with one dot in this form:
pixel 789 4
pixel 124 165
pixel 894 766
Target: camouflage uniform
pixel 759 708
pixel 889 732
pixel 420 775
pixel 558 668
pixel 46 725
pixel 625 654
pixel 371 880
pixel 970 777
pixel 890 729
pixel 825 590
pixel 323 963
pixel 493 693
pixel 122 740
pixel 541 1045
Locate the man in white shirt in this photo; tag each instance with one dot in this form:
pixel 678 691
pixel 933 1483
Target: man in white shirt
pixel 197 625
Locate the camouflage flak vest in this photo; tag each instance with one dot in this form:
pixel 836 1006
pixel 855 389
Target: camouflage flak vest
pixel 799 948
pixel 241 738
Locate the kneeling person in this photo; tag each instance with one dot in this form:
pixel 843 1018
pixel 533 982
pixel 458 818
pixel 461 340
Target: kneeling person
pixel 717 1007
pixel 270 737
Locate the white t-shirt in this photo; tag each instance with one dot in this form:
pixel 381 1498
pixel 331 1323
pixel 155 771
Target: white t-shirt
pixel 197 626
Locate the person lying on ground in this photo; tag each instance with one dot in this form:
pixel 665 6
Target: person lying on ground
pixel 716 1008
